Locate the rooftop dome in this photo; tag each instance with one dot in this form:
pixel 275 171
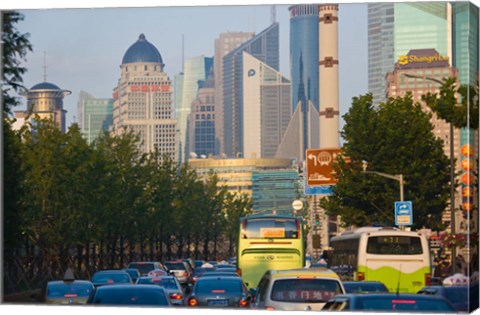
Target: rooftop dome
pixel 142 51
pixel 45 86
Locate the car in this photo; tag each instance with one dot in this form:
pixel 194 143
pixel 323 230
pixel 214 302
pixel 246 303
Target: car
pixel 221 292
pixel 190 262
pixel 456 295
pixel 145 266
pixel 108 277
pixel 364 287
pixel 223 266
pixel 296 289
pixel 220 274
pixel 67 291
pixel 200 271
pixel 130 295
pixel 170 284
pixel 134 273
pixel 181 270
pixel 389 302
pixel 198 263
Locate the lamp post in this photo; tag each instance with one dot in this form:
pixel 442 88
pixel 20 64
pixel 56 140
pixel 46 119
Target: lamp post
pixel 398 178
pixel 452 174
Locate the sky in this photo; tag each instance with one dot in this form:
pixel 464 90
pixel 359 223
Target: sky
pixel 82 45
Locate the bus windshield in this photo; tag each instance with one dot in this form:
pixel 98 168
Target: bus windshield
pixel 394 245
pixel 270 228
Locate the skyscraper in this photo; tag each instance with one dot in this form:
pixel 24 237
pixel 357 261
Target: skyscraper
pixel 195 69
pixel 143 99
pixel 266 108
pixel 396 28
pixel 264 47
pixel 202 119
pixel 224 44
pixel 95 115
pixel 304 54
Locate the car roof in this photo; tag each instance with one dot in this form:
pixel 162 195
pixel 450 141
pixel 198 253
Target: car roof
pixel 390 295
pixel 317 272
pixel 61 282
pixel 112 271
pixel 212 278
pixel 129 287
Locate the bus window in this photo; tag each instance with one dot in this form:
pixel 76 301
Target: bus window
pixel 394 245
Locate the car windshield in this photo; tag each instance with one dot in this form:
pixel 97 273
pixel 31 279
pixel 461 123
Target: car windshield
pixel 105 277
pixel 175 266
pixel 404 304
pixel 201 271
pixel 71 290
pixel 167 283
pixel 305 290
pixel 142 267
pixel 223 286
pixel 394 245
pixel 130 297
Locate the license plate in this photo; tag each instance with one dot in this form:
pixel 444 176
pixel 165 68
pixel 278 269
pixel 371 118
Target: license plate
pixel 217 302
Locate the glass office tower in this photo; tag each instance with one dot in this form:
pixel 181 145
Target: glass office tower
pixel 304 54
pixel 396 28
pixel 95 115
pixel 264 47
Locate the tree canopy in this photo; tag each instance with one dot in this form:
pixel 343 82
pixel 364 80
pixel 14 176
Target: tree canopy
pixel 395 138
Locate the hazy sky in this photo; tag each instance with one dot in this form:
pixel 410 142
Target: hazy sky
pixel 83 47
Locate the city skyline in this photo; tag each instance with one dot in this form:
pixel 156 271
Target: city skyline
pixel 91 61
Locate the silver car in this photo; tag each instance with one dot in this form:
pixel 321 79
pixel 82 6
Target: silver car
pixel 170 284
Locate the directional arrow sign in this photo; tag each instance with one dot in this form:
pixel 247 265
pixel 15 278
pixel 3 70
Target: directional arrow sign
pixel 403 213
pixel 319 166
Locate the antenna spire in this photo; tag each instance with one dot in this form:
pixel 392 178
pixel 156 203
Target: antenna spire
pixel 44 66
pixel 273 14
pixel 183 53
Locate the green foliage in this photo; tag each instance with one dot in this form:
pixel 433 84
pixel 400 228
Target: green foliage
pixel 395 138
pixel 15 47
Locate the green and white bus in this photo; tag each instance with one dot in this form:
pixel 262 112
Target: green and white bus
pixel 399 259
pixel 269 242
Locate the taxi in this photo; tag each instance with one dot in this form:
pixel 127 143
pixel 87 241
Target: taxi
pixel 297 289
pixel 67 291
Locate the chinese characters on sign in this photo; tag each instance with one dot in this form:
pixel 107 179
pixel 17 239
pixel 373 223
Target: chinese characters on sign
pixel 150 88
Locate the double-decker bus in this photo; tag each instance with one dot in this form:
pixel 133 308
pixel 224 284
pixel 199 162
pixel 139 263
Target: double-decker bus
pixel 399 259
pixel 269 242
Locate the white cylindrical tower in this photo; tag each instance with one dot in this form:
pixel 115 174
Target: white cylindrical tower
pixel 328 75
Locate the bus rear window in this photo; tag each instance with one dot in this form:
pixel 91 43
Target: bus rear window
pixel 270 228
pixel 394 245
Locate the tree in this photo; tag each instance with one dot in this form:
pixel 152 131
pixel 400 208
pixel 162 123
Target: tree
pixel 395 138
pixel 15 47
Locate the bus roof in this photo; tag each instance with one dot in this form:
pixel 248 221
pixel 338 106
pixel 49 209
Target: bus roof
pixel 355 233
pixel 268 215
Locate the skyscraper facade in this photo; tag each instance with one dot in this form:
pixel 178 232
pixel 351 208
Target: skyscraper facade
pixel 266 109
pixel 202 120
pixel 304 54
pixel 396 28
pixel 95 115
pixel 195 69
pixel 143 100
pixel 264 47
pixel 224 44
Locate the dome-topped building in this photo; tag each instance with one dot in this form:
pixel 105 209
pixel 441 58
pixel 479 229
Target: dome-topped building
pixel 143 99
pixel 142 51
pixel 46 101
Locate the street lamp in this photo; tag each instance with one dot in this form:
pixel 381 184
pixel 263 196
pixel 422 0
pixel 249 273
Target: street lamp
pixel 398 177
pixel 452 174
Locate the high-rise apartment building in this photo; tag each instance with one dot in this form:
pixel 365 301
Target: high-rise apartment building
pixel 266 108
pixel 46 101
pixel 95 115
pixel 143 99
pixel 202 120
pixel 195 69
pixel 264 47
pixel 224 44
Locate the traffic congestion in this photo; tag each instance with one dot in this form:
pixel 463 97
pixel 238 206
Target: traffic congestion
pixel 385 272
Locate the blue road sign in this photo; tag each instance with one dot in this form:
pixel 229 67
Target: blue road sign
pixel 403 213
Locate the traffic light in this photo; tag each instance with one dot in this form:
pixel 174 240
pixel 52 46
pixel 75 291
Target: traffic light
pixel 317 219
